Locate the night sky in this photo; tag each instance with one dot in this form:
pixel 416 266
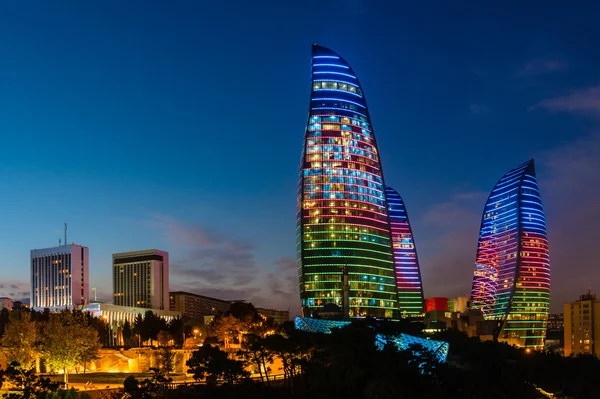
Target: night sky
pixel 178 125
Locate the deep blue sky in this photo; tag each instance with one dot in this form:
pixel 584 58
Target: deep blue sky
pixel 178 125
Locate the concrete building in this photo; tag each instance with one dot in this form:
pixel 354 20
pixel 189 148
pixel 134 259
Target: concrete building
pixel 196 306
pixel 59 277
pixel 459 304
pixel 582 326
pixel 141 279
pixel 280 316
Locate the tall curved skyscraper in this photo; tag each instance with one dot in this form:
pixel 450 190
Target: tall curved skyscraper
pixel 342 219
pixel 408 275
pixel 511 283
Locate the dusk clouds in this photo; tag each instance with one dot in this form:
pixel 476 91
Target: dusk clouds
pixel 584 101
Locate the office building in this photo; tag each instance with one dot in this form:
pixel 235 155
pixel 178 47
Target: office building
pixel 196 307
pixel 343 228
pixel 582 326
pixel 141 279
pixel 511 282
pixel 279 316
pixel 59 277
pixel 406 262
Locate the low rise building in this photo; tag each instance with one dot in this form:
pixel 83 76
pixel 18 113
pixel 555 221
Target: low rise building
pixel 196 307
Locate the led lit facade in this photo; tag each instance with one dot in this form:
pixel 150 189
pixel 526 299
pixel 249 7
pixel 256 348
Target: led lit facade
pixel 401 341
pixel 511 281
pixel 342 218
pixel 406 263
pixel 59 277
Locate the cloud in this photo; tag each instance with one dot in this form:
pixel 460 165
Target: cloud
pixel 447 253
pixel 542 66
pixel 208 256
pixel 15 290
pixel 283 281
pixel 213 263
pixel 584 101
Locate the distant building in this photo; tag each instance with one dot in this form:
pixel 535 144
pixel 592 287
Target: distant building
pixel 141 279
pixel 59 277
pixel 115 317
pixel 6 303
pixel 556 322
pixel 459 304
pixel 436 303
pixel 280 316
pixel 582 326
pixel 196 306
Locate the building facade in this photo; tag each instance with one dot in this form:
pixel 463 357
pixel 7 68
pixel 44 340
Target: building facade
pixel 59 277
pixel 141 279
pixel 279 316
pixel 511 282
pixel 582 326
pixel 342 217
pixel 195 306
pixel 459 304
pixel 406 262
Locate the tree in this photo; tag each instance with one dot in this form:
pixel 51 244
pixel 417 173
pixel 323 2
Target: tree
pixel 20 340
pixel 68 340
pixel 166 356
pixel 212 364
pixel 153 387
pixel 227 328
pixel 257 353
pixel 31 386
pixel 176 329
pixel 127 334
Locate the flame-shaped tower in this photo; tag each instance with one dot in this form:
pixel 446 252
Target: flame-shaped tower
pixel 342 218
pixel 511 283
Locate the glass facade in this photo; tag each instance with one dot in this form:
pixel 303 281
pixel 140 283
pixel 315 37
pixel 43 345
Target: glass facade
pixel 342 218
pixel 401 341
pixel 511 281
pixel 406 263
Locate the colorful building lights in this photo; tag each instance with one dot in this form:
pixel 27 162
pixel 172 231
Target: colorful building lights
pixel 511 282
pixel 343 219
pixel 408 274
pixel 342 210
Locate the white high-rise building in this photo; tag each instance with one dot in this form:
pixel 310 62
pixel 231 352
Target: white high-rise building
pixel 141 279
pixel 59 277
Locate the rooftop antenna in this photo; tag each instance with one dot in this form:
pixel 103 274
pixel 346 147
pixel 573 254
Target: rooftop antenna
pixel 59 242
pixel 65 234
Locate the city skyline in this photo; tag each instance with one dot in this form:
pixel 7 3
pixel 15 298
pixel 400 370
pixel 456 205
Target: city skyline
pixel 137 125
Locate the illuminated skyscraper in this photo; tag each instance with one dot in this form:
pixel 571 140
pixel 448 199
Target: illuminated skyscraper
pixel 141 279
pixel 408 274
pixel 59 277
pixel 342 211
pixel 511 282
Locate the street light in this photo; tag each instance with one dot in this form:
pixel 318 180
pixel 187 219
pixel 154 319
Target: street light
pixel 195 333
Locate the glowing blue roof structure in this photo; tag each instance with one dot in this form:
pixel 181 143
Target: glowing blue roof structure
pixel 402 341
